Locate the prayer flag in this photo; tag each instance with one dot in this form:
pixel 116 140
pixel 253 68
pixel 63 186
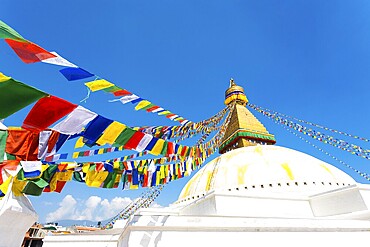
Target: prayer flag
pixel 110 180
pixel 15 95
pixel 72 74
pixel 58 60
pixel 170 149
pixel 22 143
pixel 128 98
pixel 134 141
pixel 111 133
pixel 43 143
pixel 31 168
pixel 4 77
pixel 95 128
pixel 159 109
pixel 3 136
pixel 28 52
pixel 142 104
pixel 124 137
pixel 164 113
pixel 35 187
pixel 144 142
pixel 152 108
pixel 121 92
pixel 6 32
pixel 75 121
pixel 112 89
pixel 95 179
pixel 47 111
pixel 79 142
pixel 4 186
pixel 98 85
pixel 157 149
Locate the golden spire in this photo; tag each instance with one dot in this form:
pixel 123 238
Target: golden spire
pixel 244 128
pixel 236 94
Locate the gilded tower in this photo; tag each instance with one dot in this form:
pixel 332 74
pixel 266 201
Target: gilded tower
pixel 244 128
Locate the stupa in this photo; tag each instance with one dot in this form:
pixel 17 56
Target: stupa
pixel 255 193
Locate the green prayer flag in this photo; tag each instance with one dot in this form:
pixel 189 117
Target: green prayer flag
pixel 164 149
pixel 10 156
pixel 147 107
pixel 20 175
pixel 15 95
pixel 3 135
pixel 112 89
pixel 7 32
pixel 35 187
pixel 124 137
pixel 109 181
pixel 49 172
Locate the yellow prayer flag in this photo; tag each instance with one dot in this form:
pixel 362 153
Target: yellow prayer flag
pixel 142 104
pixel 60 176
pixel 18 186
pixel 179 150
pixel 164 112
pixel 162 172
pixel 134 187
pixel 116 165
pixel 85 167
pixel 98 85
pixel 158 179
pixel 75 155
pixel 157 149
pixel 95 179
pixel 4 77
pixel 5 185
pixel 111 133
pixel 79 142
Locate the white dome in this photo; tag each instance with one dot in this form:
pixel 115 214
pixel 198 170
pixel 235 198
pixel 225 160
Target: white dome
pixel 266 168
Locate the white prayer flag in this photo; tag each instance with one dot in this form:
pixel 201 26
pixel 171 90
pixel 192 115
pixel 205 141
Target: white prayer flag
pixel 144 142
pixel 128 98
pixel 158 109
pixel 173 117
pixel 75 121
pixel 58 60
pixel 31 166
pixel 43 143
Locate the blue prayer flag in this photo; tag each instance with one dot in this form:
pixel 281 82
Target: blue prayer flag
pixel 72 74
pixel 95 128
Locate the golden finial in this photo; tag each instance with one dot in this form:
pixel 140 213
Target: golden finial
pixel 235 93
pixel 232 83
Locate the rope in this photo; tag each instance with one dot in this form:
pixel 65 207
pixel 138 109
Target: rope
pixel 313 124
pixel 341 144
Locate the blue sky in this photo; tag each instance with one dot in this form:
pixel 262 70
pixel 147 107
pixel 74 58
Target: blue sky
pixel 308 59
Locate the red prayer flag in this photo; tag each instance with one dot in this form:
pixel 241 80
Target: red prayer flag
pixel 29 52
pixel 183 151
pixel 152 108
pixel 170 149
pixel 99 167
pixel 47 111
pixel 170 115
pixel 52 140
pixel 60 186
pixel 121 92
pixel 134 140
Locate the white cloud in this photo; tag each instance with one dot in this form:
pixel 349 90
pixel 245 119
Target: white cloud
pixel 94 208
pixel 66 207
